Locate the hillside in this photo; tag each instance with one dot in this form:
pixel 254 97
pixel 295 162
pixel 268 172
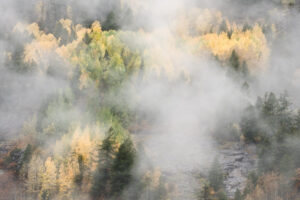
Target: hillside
pixel 150 100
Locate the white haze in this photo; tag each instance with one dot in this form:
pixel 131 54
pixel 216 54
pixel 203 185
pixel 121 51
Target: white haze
pixel 186 114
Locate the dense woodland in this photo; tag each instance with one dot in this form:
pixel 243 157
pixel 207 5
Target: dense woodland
pixel 84 136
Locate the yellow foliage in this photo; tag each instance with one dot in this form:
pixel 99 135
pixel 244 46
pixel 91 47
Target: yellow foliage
pixel 164 51
pixel 49 181
pixel 251 46
pixel 153 178
pixel 35 172
pixel 66 24
pixel 40 47
pixel 65 51
pixel 83 80
pixel 96 27
pixel 34 30
pixel 66 181
pixel 82 144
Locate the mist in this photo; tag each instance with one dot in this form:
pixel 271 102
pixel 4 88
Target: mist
pixel 178 82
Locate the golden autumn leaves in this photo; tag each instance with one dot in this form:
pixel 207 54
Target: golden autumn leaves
pixel 72 153
pixel 197 33
pixel 206 30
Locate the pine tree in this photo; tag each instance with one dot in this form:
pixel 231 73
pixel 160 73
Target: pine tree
pixel 101 187
pixel 121 169
pixel 205 193
pixel 234 61
pixel 111 22
pixel 216 176
pixel 238 195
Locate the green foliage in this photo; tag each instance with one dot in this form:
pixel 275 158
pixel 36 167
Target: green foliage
pixel 234 61
pixel 79 177
pixel 216 176
pixel 221 195
pixel 273 126
pixel 102 176
pixel 280 157
pixel 213 186
pixel 14 160
pixel 121 114
pixel 111 22
pixel 103 64
pixel 270 119
pixel 252 180
pixel 122 165
pixel 56 115
pixel 45 195
pixel 86 39
pixel 204 193
pixel 238 195
pixel 105 60
pixel 27 153
pixel 252 129
pixel 238 69
pixel 113 173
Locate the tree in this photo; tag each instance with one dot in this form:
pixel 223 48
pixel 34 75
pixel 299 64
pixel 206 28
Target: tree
pixel 234 61
pixel 121 169
pixel 215 176
pixel 111 22
pixel 49 180
pixel 244 69
pixel 34 180
pixel 27 154
pixel 221 195
pixel 250 125
pixel 101 186
pixel 238 195
pixel 66 181
pixel 268 187
pixel 205 193
pixel 223 27
pixel 270 105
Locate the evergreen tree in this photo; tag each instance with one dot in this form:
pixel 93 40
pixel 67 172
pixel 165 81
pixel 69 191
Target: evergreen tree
pixel 27 154
pixel 215 176
pixel 205 193
pixel 111 22
pixel 121 169
pixel 101 187
pixel 223 27
pixel 270 105
pixel 238 195
pixel 244 69
pixel 234 61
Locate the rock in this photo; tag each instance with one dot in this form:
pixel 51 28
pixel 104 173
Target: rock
pixel 237 164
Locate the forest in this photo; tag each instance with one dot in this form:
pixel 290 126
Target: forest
pixel 150 100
